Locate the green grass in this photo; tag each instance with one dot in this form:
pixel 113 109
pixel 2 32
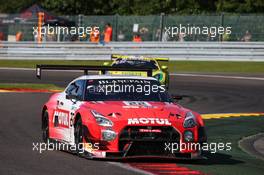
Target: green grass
pixel 235 161
pixel 216 66
pixel 174 66
pixel 29 86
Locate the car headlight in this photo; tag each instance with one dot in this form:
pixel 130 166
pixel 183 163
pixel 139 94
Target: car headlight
pixel 189 121
pixel 108 135
pixel 100 119
pixel 158 76
pixel 188 136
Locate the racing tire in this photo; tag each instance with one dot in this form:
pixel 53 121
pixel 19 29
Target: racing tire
pixel 45 126
pixel 78 137
pixel 167 81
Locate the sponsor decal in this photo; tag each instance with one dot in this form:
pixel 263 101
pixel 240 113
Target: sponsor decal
pixel 61 118
pixel 124 81
pixel 137 103
pixel 150 130
pixel 157 121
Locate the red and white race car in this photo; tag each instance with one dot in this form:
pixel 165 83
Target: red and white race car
pixel 106 116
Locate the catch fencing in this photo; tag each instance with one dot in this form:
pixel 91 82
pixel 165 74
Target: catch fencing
pixel 151 28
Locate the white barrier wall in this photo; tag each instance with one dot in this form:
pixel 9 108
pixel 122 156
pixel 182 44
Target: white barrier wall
pixel 212 51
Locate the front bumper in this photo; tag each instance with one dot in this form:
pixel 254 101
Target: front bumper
pixel 131 143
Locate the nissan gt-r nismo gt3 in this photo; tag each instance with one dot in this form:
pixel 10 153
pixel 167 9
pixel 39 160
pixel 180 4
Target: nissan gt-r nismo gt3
pixel 120 116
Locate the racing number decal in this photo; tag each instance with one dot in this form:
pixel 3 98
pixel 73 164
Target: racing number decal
pixel 71 119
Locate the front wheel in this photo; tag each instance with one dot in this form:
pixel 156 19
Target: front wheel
pixel 78 137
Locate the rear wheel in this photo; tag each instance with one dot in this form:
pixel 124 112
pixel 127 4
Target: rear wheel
pixel 45 126
pixel 167 81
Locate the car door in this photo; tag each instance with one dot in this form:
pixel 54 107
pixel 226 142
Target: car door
pixel 67 104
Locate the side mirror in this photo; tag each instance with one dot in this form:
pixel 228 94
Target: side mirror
pixel 70 96
pixel 164 67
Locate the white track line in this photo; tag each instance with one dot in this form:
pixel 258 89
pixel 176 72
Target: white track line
pixel 172 74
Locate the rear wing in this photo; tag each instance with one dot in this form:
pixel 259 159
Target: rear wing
pixel 133 57
pixel 87 68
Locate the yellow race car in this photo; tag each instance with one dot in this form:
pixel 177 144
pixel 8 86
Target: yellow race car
pixel 160 72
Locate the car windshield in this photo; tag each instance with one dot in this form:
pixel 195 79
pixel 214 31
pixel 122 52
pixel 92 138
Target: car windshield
pixel 125 90
pixel 149 64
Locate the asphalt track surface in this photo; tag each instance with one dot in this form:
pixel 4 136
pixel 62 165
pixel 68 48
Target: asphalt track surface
pixel 20 121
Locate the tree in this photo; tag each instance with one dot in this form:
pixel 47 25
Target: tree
pixel 240 6
pixel 136 7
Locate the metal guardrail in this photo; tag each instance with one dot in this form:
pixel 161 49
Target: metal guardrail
pixel 212 51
